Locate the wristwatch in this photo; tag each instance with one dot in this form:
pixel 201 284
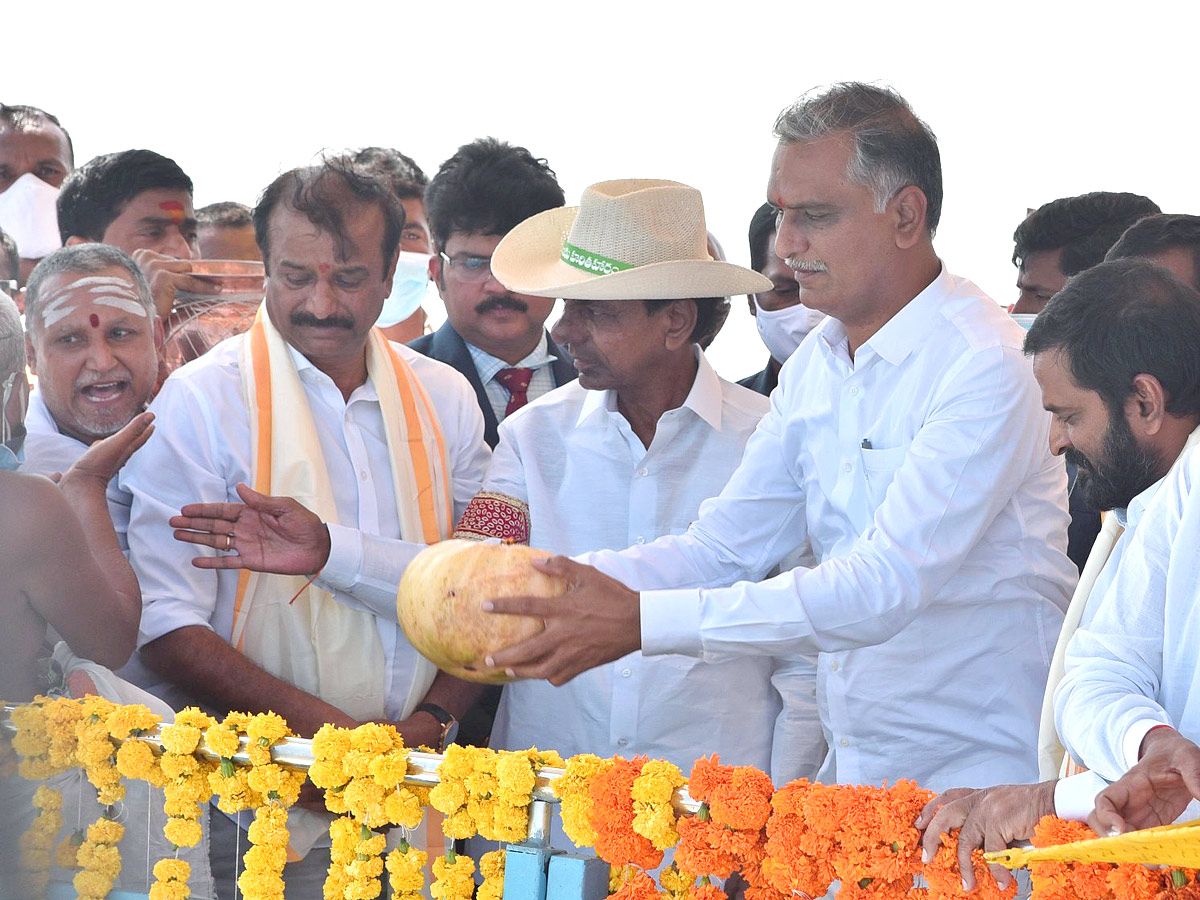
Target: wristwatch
pixel 448 722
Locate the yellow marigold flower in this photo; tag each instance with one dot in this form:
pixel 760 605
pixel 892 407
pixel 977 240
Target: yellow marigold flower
pixel 373 846
pixel 674 881
pixel 546 758
pixel 448 796
pixel 454 880
pixel 327 773
pixel 491 865
pixel 172 870
pixel 657 824
pixel 458 825
pixel 182 832
pixel 191 717
pixel 257 885
pixel 67 850
pixel 176 766
pixel 407 870
pixel 125 720
pixel 335 802
pixel 267 779
pixel 371 867
pixel 330 742
pixel 170 890
pixel 374 738
pixel 403 808
pixel 362 889
pixel 266 857
pixel 137 762
pixel 47 798
pixel 91 884
pixel 389 769
pixel 180 739
pixel 222 740
pixel 510 823
pixel 233 792
pixel 266 728
pixel 365 801
pixel 105 831
pixel 514 773
pixel 457 763
pixel 656 782
pixel 618 875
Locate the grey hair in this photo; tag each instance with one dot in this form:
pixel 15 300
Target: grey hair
pixel 85 259
pixel 892 147
pixel 12 340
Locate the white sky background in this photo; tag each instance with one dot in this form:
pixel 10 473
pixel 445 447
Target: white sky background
pixel 1029 100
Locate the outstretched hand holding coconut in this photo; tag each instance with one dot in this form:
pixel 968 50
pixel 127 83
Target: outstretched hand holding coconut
pixel 595 621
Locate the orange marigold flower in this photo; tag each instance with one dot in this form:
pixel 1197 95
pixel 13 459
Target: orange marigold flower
pixel 743 800
pixel 707 773
pixel 705 891
pixel 640 887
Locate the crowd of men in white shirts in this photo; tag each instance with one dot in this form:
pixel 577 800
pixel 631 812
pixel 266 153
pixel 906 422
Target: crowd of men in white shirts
pixel 932 539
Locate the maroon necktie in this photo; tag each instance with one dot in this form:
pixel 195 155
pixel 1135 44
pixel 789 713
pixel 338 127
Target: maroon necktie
pixel 516 382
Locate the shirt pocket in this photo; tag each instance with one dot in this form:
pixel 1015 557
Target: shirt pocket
pixel 879 468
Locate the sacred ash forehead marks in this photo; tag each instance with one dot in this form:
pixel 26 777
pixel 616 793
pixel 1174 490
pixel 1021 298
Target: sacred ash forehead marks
pixel 103 290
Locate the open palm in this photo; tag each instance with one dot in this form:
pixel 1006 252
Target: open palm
pixel 263 534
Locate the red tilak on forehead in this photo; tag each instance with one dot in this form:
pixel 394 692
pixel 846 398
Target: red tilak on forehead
pixel 173 208
pixel 324 267
pixel 95 320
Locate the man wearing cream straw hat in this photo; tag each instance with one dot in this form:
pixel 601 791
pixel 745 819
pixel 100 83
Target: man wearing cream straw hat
pixel 906 441
pixel 627 454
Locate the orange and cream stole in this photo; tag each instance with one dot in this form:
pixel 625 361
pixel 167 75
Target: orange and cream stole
pixel 319 645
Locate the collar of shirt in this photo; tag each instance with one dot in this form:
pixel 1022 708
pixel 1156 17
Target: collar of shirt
pixel 487 365
pixel 900 334
pixel 307 370
pixel 37 415
pixel 704 399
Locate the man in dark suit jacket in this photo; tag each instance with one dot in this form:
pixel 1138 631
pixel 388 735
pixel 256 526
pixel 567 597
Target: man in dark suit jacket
pixel 496 338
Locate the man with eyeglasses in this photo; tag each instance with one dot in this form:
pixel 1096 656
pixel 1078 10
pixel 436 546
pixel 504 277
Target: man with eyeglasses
pixel 496 338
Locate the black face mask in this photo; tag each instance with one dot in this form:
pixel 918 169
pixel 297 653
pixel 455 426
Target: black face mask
pixel 1123 470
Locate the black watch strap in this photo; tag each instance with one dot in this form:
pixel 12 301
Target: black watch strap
pixel 448 722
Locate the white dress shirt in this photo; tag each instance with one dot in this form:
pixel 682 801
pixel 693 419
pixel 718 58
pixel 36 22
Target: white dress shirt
pixel 1135 665
pixel 921 474
pixel 590 483
pixel 201 450
pixel 47 450
pixel 541 382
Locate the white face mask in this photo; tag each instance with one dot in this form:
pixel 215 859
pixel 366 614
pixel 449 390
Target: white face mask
pixel 409 287
pixel 782 330
pixel 1025 320
pixel 28 215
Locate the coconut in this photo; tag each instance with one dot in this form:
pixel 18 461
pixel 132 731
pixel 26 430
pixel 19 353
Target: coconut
pixel 441 596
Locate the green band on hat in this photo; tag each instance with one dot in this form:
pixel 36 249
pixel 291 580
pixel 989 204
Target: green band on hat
pixel 591 262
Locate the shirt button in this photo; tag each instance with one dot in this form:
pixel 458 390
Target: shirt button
pixel 846 467
pixel 625 673
pixel 854 392
pixel 623 742
pixel 643 472
pixel 845 742
pixel 362 474
pixel 640 540
pixel 834 666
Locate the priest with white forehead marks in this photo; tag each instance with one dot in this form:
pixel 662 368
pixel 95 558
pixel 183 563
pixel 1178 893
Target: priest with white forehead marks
pixel 93 342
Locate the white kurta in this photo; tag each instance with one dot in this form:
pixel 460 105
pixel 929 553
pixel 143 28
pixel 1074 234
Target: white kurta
pixel 921 474
pixel 47 450
pixel 201 450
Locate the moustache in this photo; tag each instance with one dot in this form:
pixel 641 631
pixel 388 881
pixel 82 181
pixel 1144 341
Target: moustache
pixel 501 301
pixel 308 320
pixel 1078 460
pixel 805 265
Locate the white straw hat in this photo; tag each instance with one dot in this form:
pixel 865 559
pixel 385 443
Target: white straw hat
pixel 635 239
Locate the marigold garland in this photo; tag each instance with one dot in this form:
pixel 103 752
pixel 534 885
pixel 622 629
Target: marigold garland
pixel 651 792
pixel 99 860
pixel 171 880
pixel 945 880
pixel 612 817
pixel 406 871
pixel 95 749
pixel 36 843
pixel 491 867
pixel 573 788
pixel 639 887
pixel 186 784
pixel 453 877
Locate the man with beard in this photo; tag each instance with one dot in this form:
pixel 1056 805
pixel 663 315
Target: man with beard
pixel 1114 354
pixel 496 338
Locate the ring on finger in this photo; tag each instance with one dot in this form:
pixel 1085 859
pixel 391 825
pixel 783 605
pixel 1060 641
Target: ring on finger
pixel 229 542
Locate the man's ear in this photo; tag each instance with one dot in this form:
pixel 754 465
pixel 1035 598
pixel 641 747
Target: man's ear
pixel 160 336
pixel 76 239
pixel 1146 406
pixel 30 354
pixel 909 208
pixel 436 271
pixel 681 322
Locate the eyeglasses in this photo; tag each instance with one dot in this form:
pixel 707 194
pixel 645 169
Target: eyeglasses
pixel 468 269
